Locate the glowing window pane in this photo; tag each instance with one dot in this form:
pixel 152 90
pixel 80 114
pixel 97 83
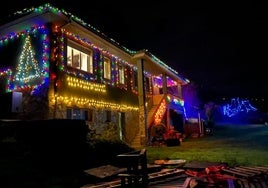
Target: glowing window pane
pixel 107 69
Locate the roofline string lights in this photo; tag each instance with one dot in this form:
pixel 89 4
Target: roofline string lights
pixel 45 53
pixel 47 6
pixel 116 61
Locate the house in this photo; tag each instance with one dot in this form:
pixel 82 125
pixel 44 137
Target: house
pixel 56 66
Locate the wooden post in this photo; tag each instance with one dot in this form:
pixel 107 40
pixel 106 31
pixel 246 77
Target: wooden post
pixel 142 104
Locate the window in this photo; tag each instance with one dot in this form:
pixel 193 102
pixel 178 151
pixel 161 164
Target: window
pixel 121 75
pixel 88 115
pixel 76 114
pixel 108 116
pixel 69 114
pixel 76 59
pixel 85 114
pixel 107 69
pixel 80 59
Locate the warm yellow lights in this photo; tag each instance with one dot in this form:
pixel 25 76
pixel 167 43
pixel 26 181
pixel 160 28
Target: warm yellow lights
pixel 84 102
pixel 160 112
pixel 85 85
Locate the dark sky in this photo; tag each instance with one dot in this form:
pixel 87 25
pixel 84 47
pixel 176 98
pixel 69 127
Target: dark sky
pixel 220 46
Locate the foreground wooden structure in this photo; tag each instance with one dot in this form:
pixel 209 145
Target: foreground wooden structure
pixel 251 177
pixel 137 173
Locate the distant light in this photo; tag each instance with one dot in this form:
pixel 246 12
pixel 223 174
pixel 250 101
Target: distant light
pixel 236 106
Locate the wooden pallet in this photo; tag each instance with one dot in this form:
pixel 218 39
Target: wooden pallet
pixel 175 182
pixel 244 177
pixel 249 177
pixel 154 178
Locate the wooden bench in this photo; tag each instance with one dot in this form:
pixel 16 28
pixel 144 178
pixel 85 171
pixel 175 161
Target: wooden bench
pixel 136 165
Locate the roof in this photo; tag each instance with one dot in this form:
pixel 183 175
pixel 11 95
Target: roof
pixel 46 13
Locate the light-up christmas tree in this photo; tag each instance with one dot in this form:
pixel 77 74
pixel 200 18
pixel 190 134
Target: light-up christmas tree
pixel 27 68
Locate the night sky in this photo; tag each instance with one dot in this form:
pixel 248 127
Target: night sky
pixel 220 47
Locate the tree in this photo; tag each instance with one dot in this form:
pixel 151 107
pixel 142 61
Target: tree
pixel 209 111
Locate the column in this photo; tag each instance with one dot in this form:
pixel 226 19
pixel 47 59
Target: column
pixel 142 104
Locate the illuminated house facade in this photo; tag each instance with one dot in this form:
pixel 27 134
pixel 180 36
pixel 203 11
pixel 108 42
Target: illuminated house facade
pixel 55 66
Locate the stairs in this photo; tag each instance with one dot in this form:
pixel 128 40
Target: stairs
pixel 154 105
pixel 153 108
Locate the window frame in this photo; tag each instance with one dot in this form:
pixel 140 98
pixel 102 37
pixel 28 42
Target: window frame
pixel 80 113
pixel 108 114
pixel 85 58
pixel 107 65
pixel 121 74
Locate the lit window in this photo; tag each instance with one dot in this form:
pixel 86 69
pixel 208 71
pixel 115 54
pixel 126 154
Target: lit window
pixel 90 62
pixel 80 60
pixel 76 59
pixel 107 69
pixel 121 75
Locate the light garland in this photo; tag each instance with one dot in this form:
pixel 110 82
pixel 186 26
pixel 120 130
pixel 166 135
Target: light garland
pixel 27 68
pixel 8 73
pixel 160 112
pixel 236 106
pixel 48 7
pixel 84 102
pixel 22 77
pixel 85 85
pixel 175 100
pixel 21 80
pixel 158 82
pixel 98 56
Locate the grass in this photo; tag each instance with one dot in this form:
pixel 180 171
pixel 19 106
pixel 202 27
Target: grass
pixel 232 144
pixel 236 145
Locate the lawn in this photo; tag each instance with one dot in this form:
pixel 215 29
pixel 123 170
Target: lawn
pixel 231 144
pixel 21 167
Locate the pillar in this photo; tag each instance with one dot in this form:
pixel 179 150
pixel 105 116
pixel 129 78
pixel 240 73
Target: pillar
pixel 142 104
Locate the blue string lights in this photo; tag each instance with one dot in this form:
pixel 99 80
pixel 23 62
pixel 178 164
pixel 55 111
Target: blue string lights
pixel 236 106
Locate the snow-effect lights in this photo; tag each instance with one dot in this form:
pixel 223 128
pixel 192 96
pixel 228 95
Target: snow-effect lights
pixel 85 85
